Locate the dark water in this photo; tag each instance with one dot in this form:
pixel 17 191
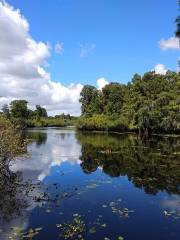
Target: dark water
pixel 93 186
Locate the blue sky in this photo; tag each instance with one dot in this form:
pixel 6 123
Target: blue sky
pixel 125 35
pixel 49 44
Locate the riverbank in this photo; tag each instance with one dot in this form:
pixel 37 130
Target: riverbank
pixel 119 125
pixel 135 133
pixel 96 123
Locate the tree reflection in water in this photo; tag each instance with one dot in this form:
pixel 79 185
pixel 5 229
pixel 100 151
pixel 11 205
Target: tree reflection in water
pixel 14 191
pixel 153 165
pixel 38 136
pixel 17 200
pixel 12 203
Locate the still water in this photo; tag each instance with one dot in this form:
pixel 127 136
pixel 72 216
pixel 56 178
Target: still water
pixel 92 186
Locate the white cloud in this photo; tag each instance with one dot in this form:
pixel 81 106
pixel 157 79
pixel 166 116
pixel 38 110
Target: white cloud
pixel 22 68
pixel 170 43
pixel 102 82
pixel 86 49
pixel 58 48
pixel 160 69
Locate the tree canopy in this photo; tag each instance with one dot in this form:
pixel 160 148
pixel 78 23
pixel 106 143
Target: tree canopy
pixel 18 109
pixel 150 103
pixel 22 116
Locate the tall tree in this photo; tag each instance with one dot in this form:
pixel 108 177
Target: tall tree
pixel 150 103
pixel 40 112
pixel 18 109
pixel 113 95
pixel 90 100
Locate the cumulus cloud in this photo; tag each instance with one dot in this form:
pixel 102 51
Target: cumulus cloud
pixel 102 82
pixel 58 48
pixel 160 69
pixel 86 49
pixel 23 74
pixel 170 43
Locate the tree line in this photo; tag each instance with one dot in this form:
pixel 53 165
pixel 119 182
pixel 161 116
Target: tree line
pixel 149 103
pixel 21 115
pixel 19 109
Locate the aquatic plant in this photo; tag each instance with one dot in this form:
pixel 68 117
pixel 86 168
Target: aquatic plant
pixel 75 228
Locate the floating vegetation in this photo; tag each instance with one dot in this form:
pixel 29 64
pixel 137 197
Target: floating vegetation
pixel 76 215
pixel 116 209
pixel 77 227
pixel 101 180
pixel 120 238
pixel 73 229
pixel 31 233
pixel 104 225
pixel 104 206
pixel 48 210
pixel 92 230
pixel 18 233
pixel 92 186
pixel 172 214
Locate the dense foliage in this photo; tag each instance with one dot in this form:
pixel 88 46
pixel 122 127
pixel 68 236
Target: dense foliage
pixel 101 122
pixel 12 189
pixel 149 103
pixel 12 142
pixel 20 115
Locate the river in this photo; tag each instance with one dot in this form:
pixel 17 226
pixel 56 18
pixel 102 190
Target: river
pixel 93 186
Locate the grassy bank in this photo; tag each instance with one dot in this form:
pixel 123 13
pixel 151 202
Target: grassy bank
pixel 50 122
pixel 22 122
pixel 101 123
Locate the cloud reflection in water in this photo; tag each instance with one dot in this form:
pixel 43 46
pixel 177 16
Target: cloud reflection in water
pixel 60 146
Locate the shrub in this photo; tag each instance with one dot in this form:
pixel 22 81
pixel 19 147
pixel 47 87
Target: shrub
pixel 101 122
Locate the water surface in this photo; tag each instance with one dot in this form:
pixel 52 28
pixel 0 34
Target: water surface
pixel 93 186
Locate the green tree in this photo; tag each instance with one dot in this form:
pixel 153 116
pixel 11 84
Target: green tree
pixel 113 97
pixel 18 109
pixel 11 141
pixel 90 100
pixel 5 110
pixel 149 103
pixel 40 112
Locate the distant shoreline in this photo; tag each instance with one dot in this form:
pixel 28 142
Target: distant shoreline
pixel 102 132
